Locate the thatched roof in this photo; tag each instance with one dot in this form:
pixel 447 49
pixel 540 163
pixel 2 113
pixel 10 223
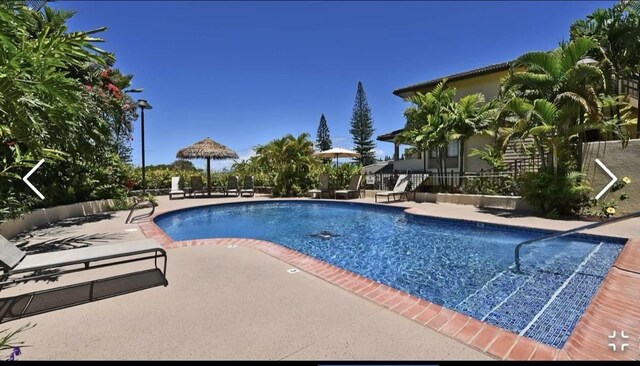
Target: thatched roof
pixel 206 149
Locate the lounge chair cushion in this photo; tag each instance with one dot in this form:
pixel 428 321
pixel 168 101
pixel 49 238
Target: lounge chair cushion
pixel 389 193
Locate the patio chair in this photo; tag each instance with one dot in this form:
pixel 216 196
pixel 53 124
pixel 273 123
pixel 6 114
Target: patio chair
pixel 232 186
pixel 175 188
pixel 354 187
pixel 400 189
pixel 323 186
pixel 247 187
pixel 14 261
pixel 197 186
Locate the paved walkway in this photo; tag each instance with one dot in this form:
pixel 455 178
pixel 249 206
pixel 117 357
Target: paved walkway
pixel 236 303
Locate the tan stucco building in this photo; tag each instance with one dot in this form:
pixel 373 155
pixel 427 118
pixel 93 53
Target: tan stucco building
pixel 485 80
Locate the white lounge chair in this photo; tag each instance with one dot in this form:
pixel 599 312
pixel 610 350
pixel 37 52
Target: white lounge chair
pixel 175 187
pixel 354 187
pixel 14 261
pixel 323 186
pixel 400 189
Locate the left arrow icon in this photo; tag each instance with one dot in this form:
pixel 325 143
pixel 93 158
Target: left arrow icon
pixel 26 179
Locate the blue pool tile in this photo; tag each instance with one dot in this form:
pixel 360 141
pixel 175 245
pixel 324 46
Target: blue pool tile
pixel 555 324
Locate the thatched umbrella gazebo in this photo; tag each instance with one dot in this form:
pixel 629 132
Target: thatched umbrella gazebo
pixel 207 149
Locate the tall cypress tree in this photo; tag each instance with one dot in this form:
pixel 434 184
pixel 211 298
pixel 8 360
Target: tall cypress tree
pixel 362 128
pixel 323 141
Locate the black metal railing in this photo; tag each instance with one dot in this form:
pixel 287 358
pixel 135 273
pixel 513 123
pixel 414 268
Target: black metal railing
pixel 482 182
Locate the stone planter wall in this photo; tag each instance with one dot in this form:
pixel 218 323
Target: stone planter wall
pixel 45 216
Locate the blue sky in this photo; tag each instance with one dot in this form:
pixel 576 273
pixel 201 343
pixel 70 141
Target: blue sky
pixel 244 73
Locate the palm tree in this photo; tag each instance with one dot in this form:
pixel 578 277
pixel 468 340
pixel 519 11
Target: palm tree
pixel 436 120
pixel 571 86
pixel 289 161
pixel 617 32
pixel 427 119
pixel 471 115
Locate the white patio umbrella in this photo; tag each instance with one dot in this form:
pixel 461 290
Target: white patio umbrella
pixel 337 152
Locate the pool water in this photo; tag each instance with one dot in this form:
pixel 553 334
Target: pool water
pixel 462 265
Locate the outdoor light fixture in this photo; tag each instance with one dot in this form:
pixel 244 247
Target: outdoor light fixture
pixel 143 104
pixel 587 61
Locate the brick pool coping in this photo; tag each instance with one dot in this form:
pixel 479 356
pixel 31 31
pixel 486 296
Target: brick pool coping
pixel 613 307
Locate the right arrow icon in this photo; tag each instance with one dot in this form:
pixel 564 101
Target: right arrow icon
pixel 26 179
pixel 613 179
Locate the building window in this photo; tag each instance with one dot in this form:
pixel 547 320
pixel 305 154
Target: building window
pixel 452 150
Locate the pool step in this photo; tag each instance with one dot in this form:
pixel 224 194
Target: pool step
pixel 492 294
pixel 551 303
pixel 526 303
pixel 554 325
pixel 498 289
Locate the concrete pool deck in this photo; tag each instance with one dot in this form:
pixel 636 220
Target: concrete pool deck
pixel 238 303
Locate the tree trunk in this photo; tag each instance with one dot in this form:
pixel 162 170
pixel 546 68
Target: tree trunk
pixel 543 159
pixel 461 156
pixel 424 160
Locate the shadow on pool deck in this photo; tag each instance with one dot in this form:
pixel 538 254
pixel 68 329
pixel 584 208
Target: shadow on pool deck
pixel 32 246
pixel 38 302
pixel 503 212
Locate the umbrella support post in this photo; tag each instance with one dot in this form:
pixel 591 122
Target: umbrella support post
pixel 209 177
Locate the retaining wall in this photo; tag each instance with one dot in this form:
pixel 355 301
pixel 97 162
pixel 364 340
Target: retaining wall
pixel 502 202
pixel 45 216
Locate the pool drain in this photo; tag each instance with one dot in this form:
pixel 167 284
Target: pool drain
pixel 324 235
pixel 293 270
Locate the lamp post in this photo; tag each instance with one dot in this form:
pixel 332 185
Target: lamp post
pixel 143 105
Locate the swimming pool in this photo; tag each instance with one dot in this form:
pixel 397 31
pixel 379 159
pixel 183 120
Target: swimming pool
pixel 462 265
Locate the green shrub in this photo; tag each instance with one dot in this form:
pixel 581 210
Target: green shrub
pixel 119 204
pixel 565 194
pixel 339 177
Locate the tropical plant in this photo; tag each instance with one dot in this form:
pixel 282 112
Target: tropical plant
pixel 491 155
pixel 362 128
pixel 555 99
pixel 340 176
pixel 8 342
pixel 556 194
pixel 427 122
pixel 435 120
pixel 59 101
pixel 617 32
pixel 290 162
pixel 471 116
